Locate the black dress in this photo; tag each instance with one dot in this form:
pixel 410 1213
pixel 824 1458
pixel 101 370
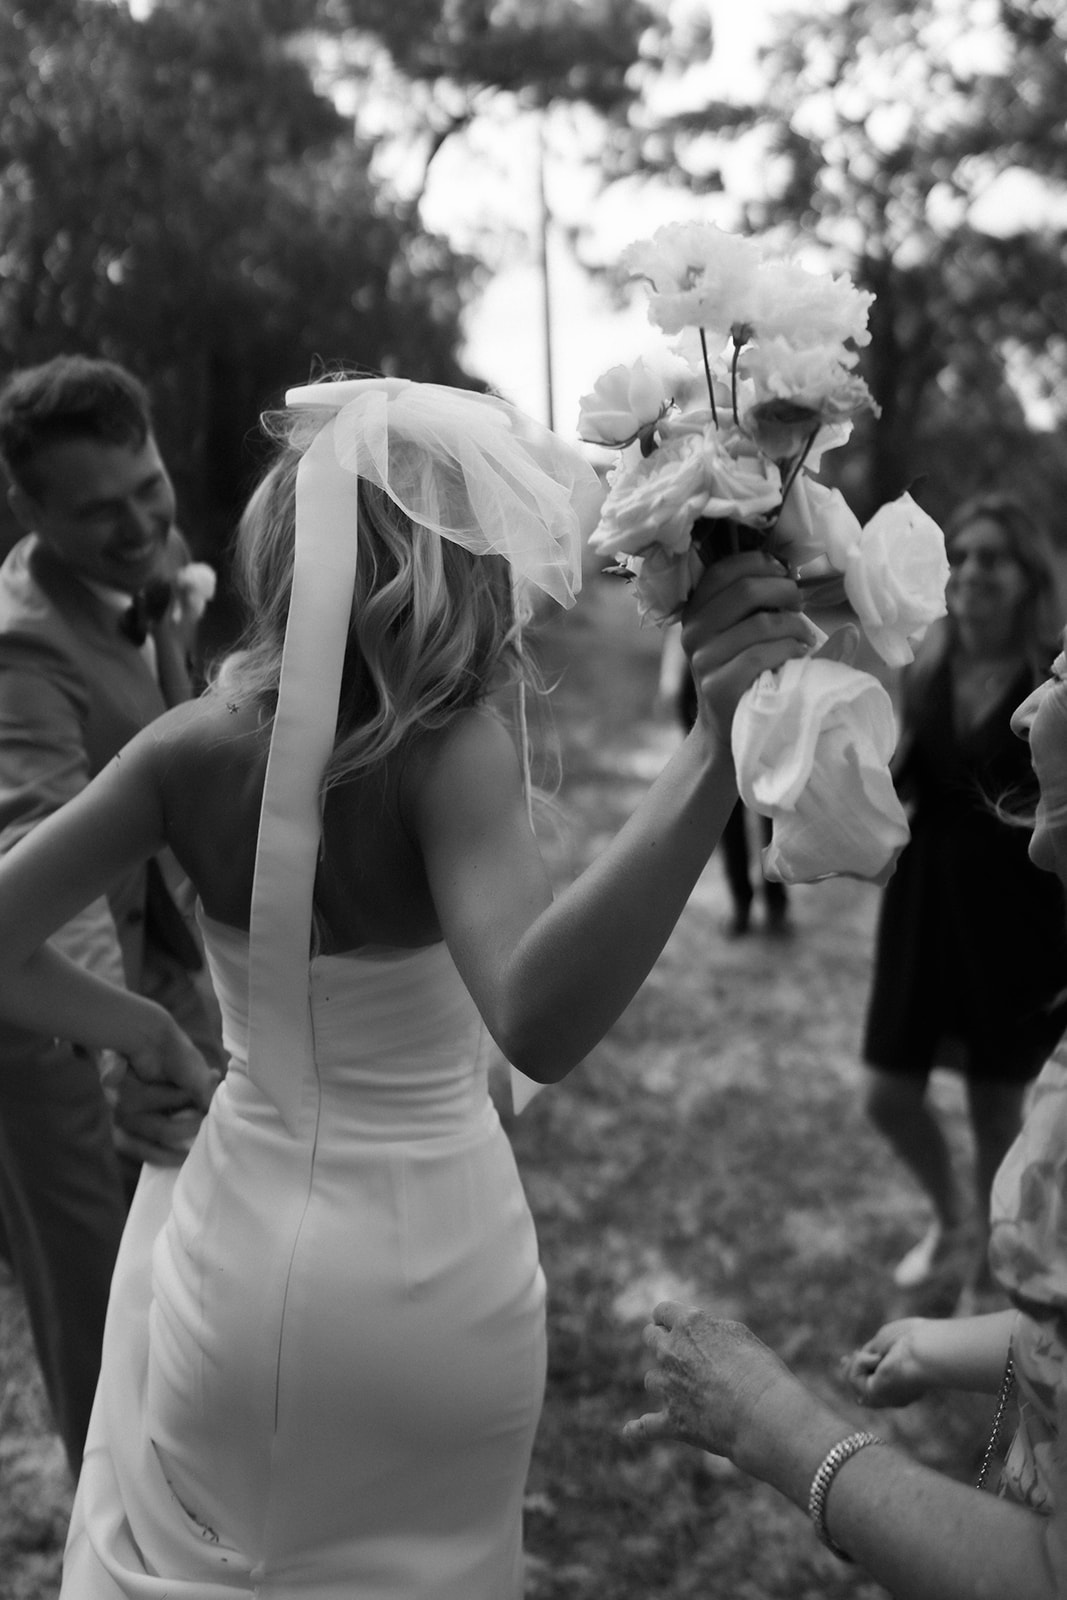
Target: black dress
pixel 972 937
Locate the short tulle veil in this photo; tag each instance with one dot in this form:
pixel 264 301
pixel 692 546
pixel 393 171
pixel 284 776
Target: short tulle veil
pixel 470 468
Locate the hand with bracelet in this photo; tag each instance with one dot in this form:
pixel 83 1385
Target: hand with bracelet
pixel 922 1534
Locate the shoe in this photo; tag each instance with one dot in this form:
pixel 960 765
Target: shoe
pixel 926 1259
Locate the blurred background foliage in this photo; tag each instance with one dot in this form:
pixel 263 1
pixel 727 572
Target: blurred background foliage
pixel 181 189
pixel 924 143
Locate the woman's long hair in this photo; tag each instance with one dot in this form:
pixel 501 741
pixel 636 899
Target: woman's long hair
pixel 433 628
pixel 1040 621
pixel 1039 627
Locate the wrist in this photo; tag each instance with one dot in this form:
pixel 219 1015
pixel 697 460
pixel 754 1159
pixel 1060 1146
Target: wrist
pixel 710 747
pixel 927 1352
pixel 788 1435
pixel 148 1027
pixel 825 1473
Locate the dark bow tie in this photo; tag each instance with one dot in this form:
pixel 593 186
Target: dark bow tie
pixel 145 610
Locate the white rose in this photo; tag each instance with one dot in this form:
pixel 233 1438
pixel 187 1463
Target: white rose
pixel 655 499
pixel 895 577
pixel 623 401
pixel 744 487
pixel 811 745
pixel 815 521
pixel 663 582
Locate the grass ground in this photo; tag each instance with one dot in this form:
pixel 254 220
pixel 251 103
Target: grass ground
pixel 713 1150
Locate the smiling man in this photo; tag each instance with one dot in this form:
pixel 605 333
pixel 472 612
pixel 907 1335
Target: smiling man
pixel 94 644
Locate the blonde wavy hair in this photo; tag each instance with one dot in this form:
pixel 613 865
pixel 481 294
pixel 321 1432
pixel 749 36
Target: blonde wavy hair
pixel 434 629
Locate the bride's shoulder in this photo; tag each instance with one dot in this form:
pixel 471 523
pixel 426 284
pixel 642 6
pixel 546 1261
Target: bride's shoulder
pixel 205 736
pixel 475 751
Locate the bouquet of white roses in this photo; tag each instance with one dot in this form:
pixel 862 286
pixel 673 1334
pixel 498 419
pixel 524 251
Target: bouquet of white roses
pixel 720 440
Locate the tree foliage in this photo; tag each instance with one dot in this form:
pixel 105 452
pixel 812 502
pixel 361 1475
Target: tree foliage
pixel 892 134
pixel 573 50
pixel 179 189
pixel 176 192
pixel 443 63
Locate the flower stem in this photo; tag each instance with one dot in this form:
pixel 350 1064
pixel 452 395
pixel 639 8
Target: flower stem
pixel 715 537
pixel 733 380
pixel 707 374
pixel 794 471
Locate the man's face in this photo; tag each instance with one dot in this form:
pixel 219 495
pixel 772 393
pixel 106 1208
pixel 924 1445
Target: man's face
pixel 104 509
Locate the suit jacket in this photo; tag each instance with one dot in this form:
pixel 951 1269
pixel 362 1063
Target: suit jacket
pixel 73 691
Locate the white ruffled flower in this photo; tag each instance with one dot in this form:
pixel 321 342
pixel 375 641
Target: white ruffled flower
pixel 811 745
pixel 895 575
pixel 796 393
pixel 624 402
pixel 701 277
pixel 807 308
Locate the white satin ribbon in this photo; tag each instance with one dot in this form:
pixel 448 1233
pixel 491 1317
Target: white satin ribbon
pixel 527 496
pixel 290 825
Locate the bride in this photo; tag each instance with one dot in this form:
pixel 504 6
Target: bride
pixel 324 1357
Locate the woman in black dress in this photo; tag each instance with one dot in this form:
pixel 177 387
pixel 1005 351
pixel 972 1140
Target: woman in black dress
pixel 972 938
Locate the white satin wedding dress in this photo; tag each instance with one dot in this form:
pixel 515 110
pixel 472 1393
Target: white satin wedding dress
pixel 328 1386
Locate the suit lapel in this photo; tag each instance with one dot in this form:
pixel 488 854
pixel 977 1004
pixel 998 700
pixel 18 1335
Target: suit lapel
pixel 123 692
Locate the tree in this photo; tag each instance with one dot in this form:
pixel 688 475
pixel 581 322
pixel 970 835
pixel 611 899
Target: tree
pixel 176 192
pixel 577 51
pixel 440 67
pixel 892 132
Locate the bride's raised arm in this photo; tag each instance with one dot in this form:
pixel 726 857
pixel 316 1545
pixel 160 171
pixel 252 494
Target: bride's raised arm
pixel 551 977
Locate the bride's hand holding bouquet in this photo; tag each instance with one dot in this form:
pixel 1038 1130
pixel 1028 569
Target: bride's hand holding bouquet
pixel 743 618
pixel 720 440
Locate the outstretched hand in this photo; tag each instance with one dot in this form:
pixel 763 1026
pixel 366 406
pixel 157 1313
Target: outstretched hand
pixel 743 618
pixel 887 1371
pixel 710 1375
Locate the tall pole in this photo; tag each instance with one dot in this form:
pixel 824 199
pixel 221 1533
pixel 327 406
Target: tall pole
pixel 546 295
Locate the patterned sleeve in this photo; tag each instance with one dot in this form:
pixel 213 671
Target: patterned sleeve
pixel 1028 1254
pixel 1057 1533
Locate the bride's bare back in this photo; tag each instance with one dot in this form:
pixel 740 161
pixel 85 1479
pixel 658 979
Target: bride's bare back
pixel 370 888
